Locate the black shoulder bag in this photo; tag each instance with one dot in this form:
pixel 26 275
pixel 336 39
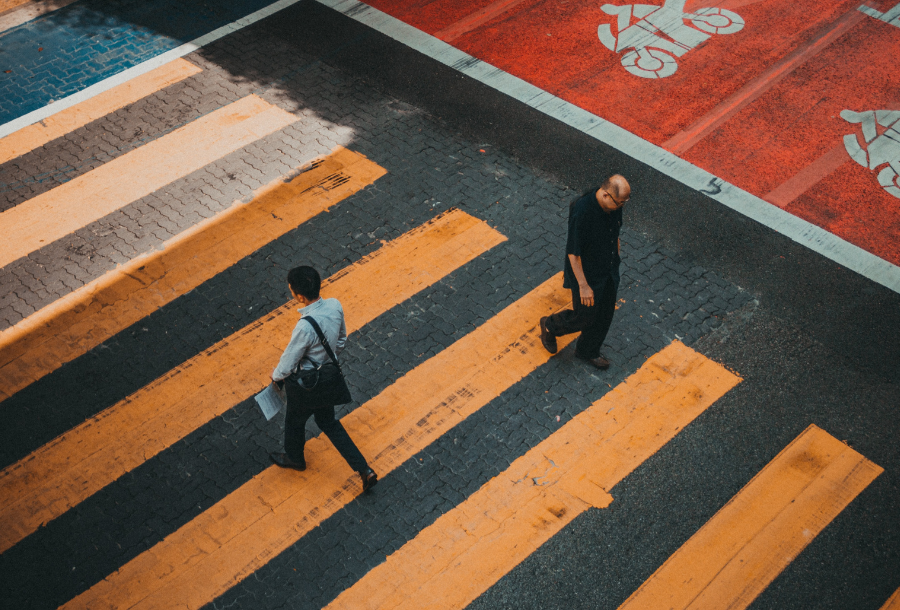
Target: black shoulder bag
pixel 323 386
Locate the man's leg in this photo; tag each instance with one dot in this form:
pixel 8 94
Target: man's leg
pixel 572 320
pixel 338 436
pixel 295 423
pixel 594 334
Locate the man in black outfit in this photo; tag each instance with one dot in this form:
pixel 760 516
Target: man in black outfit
pixel 591 271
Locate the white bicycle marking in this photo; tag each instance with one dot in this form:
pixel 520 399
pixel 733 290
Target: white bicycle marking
pixel 660 34
pixel 880 150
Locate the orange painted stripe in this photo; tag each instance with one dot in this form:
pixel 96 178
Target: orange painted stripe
pixel 734 557
pixel 95 312
pixel 893 603
pixel 268 514
pixel 468 549
pixel 70 119
pixel 476 19
pixel 684 140
pixel 59 475
pixel 89 197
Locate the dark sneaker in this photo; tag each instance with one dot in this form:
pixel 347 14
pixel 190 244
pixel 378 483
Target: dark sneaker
pixel 282 460
pixel 369 478
pixel 599 362
pixel 547 340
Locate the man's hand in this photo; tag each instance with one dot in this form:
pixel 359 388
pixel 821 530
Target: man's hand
pixel 587 295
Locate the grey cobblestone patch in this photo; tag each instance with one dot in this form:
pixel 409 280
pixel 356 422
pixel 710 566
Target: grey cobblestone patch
pixel 662 297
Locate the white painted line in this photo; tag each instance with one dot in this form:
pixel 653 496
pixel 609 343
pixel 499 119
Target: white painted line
pixel 816 239
pixel 151 64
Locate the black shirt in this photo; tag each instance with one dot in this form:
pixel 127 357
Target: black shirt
pixel 594 236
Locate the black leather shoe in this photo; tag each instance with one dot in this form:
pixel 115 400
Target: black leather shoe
pixel 547 340
pixel 282 459
pixel 369 478
pixel 599 362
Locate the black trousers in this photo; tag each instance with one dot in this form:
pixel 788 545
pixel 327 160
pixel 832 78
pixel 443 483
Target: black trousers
pixel 295 429
pixel 592 322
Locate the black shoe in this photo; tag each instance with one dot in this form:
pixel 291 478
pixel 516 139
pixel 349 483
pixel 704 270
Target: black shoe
pixel 599 362
pixel 369 478
pixel 282 459
pixel 547 340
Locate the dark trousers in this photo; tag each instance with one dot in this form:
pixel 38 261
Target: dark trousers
pixel 295 429
pixel 592 322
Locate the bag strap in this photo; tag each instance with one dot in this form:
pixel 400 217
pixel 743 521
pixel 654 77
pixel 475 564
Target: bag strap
pixel 322 338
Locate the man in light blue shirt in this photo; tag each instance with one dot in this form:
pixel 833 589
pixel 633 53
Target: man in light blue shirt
pixel 306 351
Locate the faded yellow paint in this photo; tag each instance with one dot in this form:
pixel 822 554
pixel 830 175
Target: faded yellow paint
pixel 95 312
pixel 36 135
pixel 740 551
pixel 59 475
pixel 453 561
pixel 72 205
pixel 242 532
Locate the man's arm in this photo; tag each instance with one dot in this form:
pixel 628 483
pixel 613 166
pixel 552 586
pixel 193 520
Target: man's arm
pixel 587 294
pixel 294 352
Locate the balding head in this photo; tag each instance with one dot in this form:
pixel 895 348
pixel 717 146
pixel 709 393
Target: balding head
pixel 614 193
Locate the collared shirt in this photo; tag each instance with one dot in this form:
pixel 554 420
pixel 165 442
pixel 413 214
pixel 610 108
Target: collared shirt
pixel 593 236
pixel 304 347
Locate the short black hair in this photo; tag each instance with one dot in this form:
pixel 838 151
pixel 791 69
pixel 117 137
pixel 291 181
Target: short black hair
pixel 305 281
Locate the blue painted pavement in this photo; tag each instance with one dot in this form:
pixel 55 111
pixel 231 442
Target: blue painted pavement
pixel 79 45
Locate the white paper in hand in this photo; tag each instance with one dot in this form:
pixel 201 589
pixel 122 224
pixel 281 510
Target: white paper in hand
pixel 271 401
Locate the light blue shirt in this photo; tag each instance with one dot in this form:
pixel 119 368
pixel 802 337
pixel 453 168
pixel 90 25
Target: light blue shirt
pixel 304 348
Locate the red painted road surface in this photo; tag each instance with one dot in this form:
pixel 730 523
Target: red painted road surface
pixel 750 90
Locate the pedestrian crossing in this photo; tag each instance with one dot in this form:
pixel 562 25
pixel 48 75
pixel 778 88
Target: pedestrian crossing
pixel 85 318
pixel 727 563
pixel 468 549
pixel 88 198
pixel 34 136
pixel 741 550
pixel 45 484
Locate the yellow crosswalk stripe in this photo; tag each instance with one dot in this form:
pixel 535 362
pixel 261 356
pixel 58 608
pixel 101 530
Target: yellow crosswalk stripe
pixel 34 136
pixel 70 206
pixel 740 551
pixel 243 531
pixel 468 549
pixel 59 475
pixel 83 319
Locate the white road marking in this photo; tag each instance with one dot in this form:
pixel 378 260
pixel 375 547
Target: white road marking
pixel 815 238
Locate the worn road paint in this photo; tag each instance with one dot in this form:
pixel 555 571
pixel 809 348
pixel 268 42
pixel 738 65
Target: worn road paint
pixel 476 19
pixel 36 135
pixel 275 509
pixel 85 318
pixel 809 176
pixel 468 549
pixel 72 205
pixel 740 551
pixel 77 464
pixel 685 139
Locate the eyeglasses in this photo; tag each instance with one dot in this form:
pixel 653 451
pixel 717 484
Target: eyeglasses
pixel 619 204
